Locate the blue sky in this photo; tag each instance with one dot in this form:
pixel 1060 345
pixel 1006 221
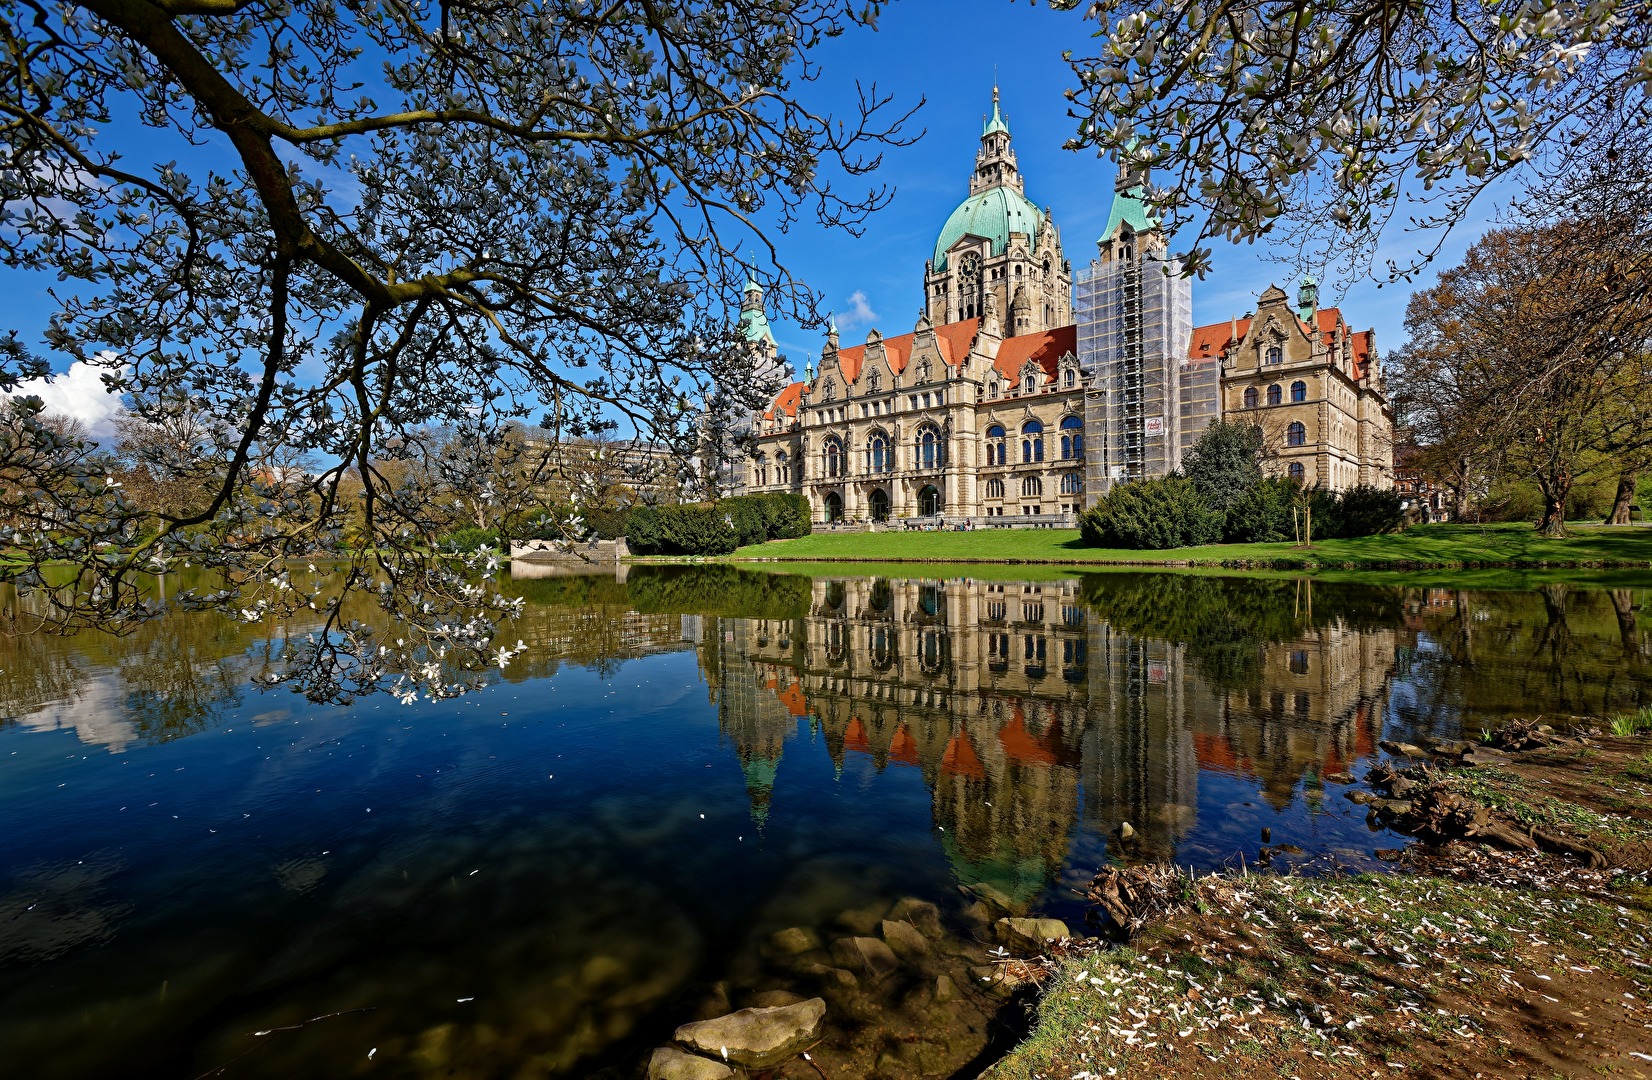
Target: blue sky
pixel 948 52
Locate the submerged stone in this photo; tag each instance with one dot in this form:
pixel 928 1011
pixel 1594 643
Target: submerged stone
pixel 866 955
pixel 1030 935
pixel 905 940
pixel 670 1063
pixel 756 1038
pixel 795 940
pixel 920 913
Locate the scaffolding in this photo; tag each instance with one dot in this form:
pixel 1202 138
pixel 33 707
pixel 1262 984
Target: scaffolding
pixel 1134 323
pixel 1200 399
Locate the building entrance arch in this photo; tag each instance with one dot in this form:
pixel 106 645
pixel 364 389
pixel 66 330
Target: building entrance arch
pixel 929 501
pixel 879 504
pixel 834 506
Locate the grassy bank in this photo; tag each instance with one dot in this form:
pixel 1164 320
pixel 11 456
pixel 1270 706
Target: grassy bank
pixel 1425 546
pixel 1467 962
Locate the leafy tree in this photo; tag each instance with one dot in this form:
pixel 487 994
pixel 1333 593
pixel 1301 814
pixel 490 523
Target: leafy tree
pixel 1546 355
pixel 348 222
pixel 1226 463
pixel 1339 118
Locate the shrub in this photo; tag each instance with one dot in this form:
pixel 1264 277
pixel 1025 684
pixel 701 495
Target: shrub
pixel 1162 513
pixel 774 516
pixel 1367 511
pixel 701 529
pixel 470 538
pixel 1262 515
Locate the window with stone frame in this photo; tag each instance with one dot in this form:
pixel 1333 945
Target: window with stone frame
pixel 1072 438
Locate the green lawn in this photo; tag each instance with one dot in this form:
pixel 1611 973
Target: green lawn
pixel 1420 547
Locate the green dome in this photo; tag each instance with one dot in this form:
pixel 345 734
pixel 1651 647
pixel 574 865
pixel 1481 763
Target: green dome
pixel 994 214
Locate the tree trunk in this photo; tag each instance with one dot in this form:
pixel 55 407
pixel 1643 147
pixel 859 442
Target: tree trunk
pixel 1555 488
pixel 1625 497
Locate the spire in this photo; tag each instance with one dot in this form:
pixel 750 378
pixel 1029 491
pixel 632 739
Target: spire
pixel 995 161
pixel 1307 299
pixel 996 123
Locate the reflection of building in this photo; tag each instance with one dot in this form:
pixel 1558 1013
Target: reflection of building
pixel 1030 715
pixel 1026 390
pixel 1317 710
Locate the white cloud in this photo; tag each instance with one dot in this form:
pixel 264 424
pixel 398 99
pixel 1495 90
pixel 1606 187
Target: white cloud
pixel 78 393
pixel 860 313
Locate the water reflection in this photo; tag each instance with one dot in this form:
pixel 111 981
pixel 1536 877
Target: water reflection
pixel 684 761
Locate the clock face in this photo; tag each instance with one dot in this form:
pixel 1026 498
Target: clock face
pixel 972 266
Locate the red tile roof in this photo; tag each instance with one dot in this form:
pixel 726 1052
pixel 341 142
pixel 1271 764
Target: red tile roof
pixel 1046 347
pixel 1362 352
pixel 953 340
pixel 1215 339
pixel 786 401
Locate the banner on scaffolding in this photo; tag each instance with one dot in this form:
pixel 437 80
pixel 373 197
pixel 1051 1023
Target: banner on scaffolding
pixel 1155 426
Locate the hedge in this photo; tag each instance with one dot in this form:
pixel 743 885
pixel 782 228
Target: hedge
pixel 716 528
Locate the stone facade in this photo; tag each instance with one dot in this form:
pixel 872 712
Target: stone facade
pixel 987 408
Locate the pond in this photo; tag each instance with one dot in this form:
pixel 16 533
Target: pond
pixel 543 878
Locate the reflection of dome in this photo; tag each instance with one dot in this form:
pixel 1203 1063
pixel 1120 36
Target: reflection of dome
pixel 760 774
pixel 993 214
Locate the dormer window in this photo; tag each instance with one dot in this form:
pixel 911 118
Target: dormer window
pixel 1276 355
pixel 1029 384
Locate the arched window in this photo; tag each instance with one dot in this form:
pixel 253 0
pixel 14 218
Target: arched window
pixel 1296 435
pixel 1299 391
pixel 1029 384
pixel 1069 483
pixel 1276 355
pixel 882 453
pixel 1032 441
pixel 782 468
pixel 930 455
pixel 1250 397
pixel 1072 437
pixel 1069 378
pixel 1031 487
pixel 995 445
pixel 834 458
pixel 1273 394
pixel 1297 472
pixel 760 470
pixel 995 488
pixel 993 388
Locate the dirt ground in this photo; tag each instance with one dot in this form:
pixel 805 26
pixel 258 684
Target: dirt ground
pixel 1469 961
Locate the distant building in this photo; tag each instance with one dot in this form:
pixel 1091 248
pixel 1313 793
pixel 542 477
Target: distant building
pixel 1024 391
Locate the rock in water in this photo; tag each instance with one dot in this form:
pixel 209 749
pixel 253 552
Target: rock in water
pixel 905 940
pixel 796 940
pixel 757 1038
pixel 1126 831
pixel 1030 935
pixel 866 955
pixel 670 1063
pixel 920 913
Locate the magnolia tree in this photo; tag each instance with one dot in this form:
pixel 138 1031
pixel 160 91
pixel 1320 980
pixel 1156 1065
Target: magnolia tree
pixel 315 226
pixel 1332 121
